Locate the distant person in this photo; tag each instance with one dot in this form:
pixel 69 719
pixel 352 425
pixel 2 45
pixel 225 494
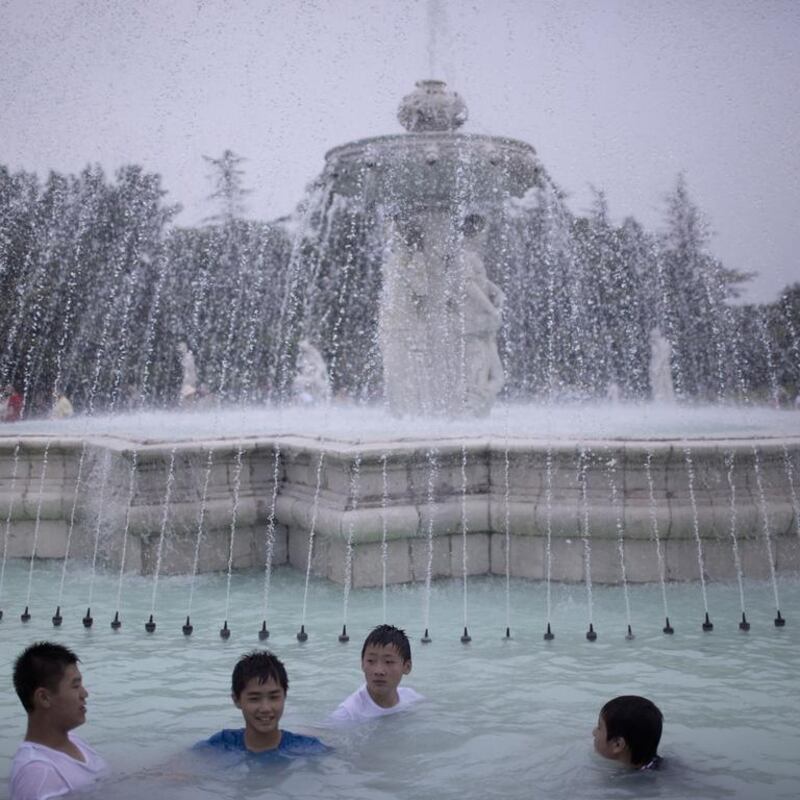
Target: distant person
pixel 14 402
pixel 258 688
pixel 52 760
pixel 629 730
pixel 62 407
pixel 385 659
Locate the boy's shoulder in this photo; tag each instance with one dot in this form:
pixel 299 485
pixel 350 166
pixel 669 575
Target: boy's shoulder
pixel 408 695
pixel 226 739
pixel 359 706
pixel 300 744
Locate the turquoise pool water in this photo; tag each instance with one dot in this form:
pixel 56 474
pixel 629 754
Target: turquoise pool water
pixel 503 718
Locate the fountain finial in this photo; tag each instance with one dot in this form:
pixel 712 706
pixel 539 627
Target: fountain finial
pixel 432 107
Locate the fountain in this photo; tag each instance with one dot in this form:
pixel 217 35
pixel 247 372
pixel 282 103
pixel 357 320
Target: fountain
pixel 411 429
pixel 505 498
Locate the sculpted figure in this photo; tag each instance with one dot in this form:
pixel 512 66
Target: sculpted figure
pixel 311 384
pixel 189 381
pixel 483 369
pixel 661 387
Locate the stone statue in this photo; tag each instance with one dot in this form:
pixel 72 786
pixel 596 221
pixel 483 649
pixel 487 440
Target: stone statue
pixel 662 389
pixel 483 308
pixel 189 381
pixel 311 384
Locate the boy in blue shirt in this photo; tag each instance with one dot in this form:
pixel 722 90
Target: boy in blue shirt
pixel 258 688
pixel 629 730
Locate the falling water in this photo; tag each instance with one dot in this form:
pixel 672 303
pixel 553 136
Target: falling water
pixel 729 463
pixel 313 202
pixel 163 529
pixel 37 524
pixel 464 535
pixel 105 469
pixel 687 454
pixel 507 534
pixel 7 529
pixel 585 533
pixel 433 475
pixel 71 526
pixel 344 290
pixel 125 530
pixel 620 526
pixel 765 527
pixel 775 389
pixel 237 484
pixel 269 545
pixel 384 529
pixel 311 531
pixel 548 553
pixel 355 473
pixel 199 536
pixel 662 573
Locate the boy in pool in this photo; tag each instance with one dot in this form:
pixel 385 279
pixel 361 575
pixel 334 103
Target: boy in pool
pixel 629 730
pixel 385 658
pixel 52 760
pixel 258 688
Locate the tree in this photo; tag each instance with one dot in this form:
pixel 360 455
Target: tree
pixel 227 178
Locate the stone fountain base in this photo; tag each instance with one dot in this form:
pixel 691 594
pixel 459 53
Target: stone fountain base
pixel 494 490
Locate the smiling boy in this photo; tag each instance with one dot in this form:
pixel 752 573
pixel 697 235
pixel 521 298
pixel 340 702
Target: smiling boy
pixel 258 688
pixel 385 659
pixel 52 760
pixel 628 731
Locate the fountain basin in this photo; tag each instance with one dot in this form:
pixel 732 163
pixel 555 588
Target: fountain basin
pixel 490 492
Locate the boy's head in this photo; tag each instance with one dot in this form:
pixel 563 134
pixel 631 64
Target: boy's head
pixel 628 730
pixel 48 683
pixel 261 666
pixel 385 658
pixel 258 686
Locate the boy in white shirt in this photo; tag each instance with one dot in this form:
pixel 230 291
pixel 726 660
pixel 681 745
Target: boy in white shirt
pixel 385 658
pixel 52 760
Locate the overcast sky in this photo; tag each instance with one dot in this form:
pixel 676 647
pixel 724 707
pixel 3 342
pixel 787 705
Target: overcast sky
pixel 617 95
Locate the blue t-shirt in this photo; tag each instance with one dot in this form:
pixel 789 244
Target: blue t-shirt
pixel 290 746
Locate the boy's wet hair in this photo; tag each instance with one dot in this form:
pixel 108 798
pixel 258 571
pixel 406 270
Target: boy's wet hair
pixel 638 721
pixel 260 664
pixel 384 635
pixel 43 664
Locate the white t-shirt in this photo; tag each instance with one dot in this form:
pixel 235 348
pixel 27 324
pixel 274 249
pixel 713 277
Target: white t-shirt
pixel 360 706
pixel 39 772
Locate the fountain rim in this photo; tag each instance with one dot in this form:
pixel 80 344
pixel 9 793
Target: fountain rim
pixel 397 446
pixel 431 137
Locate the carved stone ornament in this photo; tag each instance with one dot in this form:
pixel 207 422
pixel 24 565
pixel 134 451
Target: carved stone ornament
pixel 432 107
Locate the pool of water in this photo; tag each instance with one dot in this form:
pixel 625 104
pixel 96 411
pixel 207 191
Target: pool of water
pixel 503 718
pixel 568 421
